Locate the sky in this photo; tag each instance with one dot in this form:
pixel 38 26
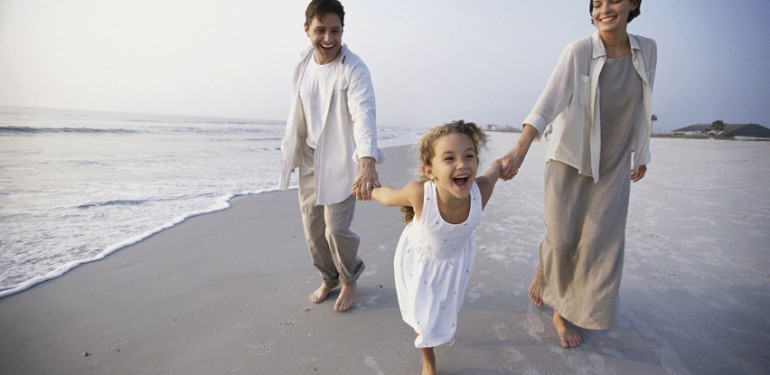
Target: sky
pixel 432 61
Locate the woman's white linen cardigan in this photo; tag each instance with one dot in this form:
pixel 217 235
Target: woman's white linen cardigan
pixel 349 130
pixel 571 101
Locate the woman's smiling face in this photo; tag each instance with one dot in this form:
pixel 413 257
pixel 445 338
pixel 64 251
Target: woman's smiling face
pixel 325 33
pixel 609 15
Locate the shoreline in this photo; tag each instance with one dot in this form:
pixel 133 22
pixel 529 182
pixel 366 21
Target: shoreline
pixel 227 292
pixel 219 203
pixel 64 206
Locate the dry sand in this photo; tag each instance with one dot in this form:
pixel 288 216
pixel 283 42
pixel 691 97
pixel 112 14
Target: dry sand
pixel 227 292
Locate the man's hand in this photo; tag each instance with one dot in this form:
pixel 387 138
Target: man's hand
pixel 366 179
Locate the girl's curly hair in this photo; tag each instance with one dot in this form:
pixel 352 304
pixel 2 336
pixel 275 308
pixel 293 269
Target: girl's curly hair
pixel 427 150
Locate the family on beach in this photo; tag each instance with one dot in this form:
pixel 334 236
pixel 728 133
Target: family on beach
pixel 598 104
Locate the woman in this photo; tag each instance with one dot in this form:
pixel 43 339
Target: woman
pixel 599 101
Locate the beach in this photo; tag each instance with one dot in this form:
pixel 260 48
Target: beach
pixel 130 175
pixel 227 292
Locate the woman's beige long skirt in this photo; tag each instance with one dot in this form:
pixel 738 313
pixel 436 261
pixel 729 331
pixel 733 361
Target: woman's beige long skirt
pixel 582 253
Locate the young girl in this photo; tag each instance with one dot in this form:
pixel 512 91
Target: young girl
pixel 435 253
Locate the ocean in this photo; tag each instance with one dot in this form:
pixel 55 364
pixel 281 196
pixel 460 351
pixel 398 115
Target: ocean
pixel 75 186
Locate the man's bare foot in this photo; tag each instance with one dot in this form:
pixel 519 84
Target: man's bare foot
pixel 568 337
pixel 428 361
pixel 323 291
pixel 347 297
pixel 534 288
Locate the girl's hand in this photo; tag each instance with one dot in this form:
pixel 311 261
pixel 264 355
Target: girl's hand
pixel 509 164
pixel 495 170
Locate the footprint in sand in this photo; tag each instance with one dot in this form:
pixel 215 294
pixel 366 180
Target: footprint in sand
pixel 533 325
pixel 362 303
pixel 371 270
pixel 513 356
pixel 610 351
pixel 287 328
pixel 518 288
pixel 263 349
pixel 472 296
pixel 500 331
pixel 598 362
pixel 371 363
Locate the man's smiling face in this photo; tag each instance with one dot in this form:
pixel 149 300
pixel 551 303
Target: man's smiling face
pixel 325 33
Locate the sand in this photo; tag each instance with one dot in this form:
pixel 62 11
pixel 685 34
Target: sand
pixel 227 292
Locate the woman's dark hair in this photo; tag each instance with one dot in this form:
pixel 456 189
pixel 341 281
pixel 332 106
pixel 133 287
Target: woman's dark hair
pixel 321 7
pixel 634 13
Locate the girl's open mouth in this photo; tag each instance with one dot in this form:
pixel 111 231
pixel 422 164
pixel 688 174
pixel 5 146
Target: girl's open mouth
pixel 460 181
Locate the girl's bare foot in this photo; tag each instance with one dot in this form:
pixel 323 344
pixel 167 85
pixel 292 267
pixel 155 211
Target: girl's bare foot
pixel 428 361
pixel 323 291
pixel 568 337
pixel 534 288
pixel 346 299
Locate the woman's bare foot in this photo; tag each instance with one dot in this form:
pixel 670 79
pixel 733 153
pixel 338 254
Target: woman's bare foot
pixel 534 288
pixel 568 337
pixel 347 297
pixel 323 291
pixel 428 361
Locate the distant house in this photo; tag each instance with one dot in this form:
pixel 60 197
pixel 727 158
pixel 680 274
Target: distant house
pixel 719 129
pixel 497 128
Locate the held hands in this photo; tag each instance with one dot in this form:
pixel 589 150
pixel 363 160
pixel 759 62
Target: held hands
pixel 366 179
pixel 509 165
pixel 511 162
pixel 495 170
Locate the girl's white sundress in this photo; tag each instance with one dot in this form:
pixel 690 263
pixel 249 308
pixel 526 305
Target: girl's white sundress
pixel 432 267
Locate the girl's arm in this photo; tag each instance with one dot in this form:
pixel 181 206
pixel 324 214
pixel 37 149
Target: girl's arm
pixel 409 195
pixel 487 181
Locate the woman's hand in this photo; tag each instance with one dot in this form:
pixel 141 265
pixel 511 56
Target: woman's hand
pixel 639 173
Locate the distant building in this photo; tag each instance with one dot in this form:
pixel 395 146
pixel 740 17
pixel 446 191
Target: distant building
pixel 497 128
pixel 719 129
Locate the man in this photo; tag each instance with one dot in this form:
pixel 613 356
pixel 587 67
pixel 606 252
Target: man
pixel 331 135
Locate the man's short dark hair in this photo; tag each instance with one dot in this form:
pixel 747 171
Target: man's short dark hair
pixel 319 8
